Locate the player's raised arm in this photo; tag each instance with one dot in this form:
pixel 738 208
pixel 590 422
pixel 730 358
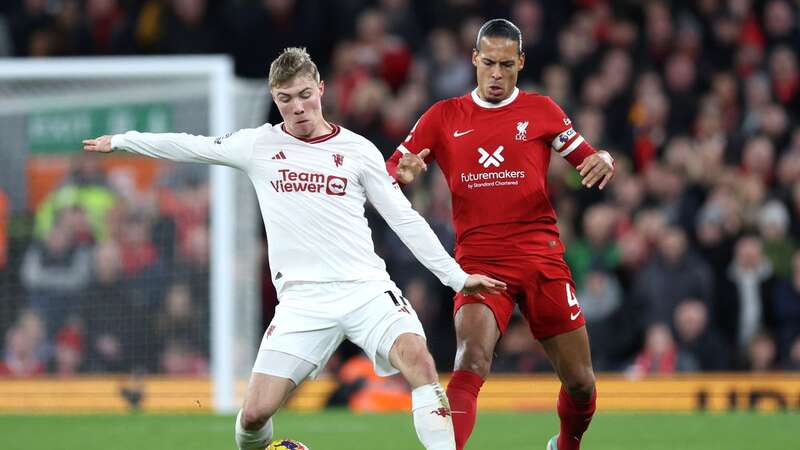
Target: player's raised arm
pixel 415 232
pixel 232 150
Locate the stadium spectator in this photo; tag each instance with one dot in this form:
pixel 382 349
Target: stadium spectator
pixel 69 353
pixel 181 319
pixel 773 224
pixel 761 353
pixel 696 336
pixel 744 304
pixel 609 325
pixel 55 271
pixel 449 74
pixel 384 55
pixel 85 187
pixel 660 355
pixel 22 354
pixel 109 313
pixel 673 275
pixel 597 250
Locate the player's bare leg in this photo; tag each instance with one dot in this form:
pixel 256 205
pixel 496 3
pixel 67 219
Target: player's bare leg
pixel 571 358
pixel 476 337
pixel 430 409
pixel 265 395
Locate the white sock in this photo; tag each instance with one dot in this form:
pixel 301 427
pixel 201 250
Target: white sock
pixel 253 440
pixel 432 420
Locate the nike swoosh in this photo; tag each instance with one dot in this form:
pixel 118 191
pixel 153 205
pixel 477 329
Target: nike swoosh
pixel 459 134
pixel 575 316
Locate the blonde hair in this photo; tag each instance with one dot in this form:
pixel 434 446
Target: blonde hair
pixel 292 62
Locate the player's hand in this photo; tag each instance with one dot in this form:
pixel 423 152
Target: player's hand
pixel 410 165
pixel 597 167
pixel 477 284
pixel 101 144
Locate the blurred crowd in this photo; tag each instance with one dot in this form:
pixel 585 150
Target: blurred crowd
pixel 688 261
pixel 112 279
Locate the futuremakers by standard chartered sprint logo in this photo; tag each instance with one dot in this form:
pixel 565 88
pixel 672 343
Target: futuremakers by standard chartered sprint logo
pixel 477 180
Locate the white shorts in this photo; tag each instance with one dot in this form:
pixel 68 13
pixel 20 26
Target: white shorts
pixel 312 319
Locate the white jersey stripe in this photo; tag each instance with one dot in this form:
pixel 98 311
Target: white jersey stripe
pixel 572 146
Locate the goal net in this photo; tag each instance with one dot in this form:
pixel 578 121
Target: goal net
pixel 118 265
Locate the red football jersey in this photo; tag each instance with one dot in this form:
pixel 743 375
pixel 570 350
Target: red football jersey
pixel 495 158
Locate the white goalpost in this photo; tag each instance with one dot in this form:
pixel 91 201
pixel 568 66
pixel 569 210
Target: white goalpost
pixel 60 99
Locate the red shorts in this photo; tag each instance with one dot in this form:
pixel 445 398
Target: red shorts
pixel 541 286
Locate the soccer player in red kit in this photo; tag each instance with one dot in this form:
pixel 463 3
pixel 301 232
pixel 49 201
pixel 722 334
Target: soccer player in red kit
pixel 493 146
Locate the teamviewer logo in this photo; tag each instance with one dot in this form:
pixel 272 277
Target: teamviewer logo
pixel 493 159
pixel 335 185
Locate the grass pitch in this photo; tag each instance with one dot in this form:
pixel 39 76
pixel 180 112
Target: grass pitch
pixel 340 430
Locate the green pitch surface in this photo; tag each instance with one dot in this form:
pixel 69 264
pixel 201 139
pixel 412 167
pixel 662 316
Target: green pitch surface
pixel 339 430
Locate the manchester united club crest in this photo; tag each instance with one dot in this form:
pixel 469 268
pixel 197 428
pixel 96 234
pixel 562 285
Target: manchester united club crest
pixel 522 131
pixel 338 159
pixel 442 412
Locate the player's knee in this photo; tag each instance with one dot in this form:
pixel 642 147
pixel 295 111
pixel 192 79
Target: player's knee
pixel 580 384
pixel 413 354
pixel 417 355
pixel 254 417
pixel 475 359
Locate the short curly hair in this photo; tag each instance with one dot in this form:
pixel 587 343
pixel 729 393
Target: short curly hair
pixel 292 62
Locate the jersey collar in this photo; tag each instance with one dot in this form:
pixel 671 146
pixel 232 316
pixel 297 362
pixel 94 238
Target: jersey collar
pixel 484 104
pixel 335 129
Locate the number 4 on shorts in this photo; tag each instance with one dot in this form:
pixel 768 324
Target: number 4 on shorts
pixel 572 300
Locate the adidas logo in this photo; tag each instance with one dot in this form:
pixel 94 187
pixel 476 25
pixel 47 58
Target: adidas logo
pixel 279 155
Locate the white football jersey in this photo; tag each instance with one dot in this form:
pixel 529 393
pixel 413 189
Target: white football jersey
pixel 312 195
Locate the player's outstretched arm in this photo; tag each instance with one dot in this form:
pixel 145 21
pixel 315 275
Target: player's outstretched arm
pixel 100 144
pixel 480 284
pixel 597 167
pixel 410 227
pixel 232 150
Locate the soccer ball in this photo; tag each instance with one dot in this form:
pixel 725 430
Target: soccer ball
pixel 287 444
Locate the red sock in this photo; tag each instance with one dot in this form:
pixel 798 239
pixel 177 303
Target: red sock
pixel 575 415
pixel 462 391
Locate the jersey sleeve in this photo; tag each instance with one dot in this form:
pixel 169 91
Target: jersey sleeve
pixel 561 135
pixel 233 150
pixel 426 133
pixel 385 195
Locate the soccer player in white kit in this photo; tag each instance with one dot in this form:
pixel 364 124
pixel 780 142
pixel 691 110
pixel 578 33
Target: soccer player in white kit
pixel 312 179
